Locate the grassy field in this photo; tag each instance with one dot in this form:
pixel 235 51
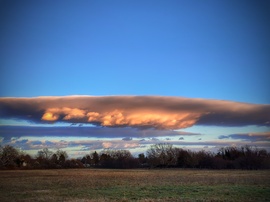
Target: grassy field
pixel 134 185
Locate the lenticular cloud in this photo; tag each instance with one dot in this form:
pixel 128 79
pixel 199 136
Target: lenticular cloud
pixel 135 111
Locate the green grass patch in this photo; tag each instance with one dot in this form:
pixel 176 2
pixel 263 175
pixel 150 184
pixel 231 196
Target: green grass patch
pixel 190 192
pixel 134 185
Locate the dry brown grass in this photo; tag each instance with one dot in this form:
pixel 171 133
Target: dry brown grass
pixel 85 185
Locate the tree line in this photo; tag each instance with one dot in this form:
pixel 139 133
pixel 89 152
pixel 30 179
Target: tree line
pixel 161 155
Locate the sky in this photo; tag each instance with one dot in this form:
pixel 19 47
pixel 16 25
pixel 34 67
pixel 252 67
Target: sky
pixel 90 75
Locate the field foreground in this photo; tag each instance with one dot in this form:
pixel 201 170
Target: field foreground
pixel 134 185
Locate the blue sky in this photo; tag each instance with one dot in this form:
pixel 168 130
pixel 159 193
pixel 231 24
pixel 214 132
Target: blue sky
pixel 196 49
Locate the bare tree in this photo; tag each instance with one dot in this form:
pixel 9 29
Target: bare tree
pixel 8 156
pixel 44 154
pixel 142 159
pixel 95 158
pixel 162 155
pixel 117 159
pixel 61 156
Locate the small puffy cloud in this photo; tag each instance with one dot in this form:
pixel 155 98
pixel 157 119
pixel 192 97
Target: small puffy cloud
pixel 107 145
pixel 120 145
pixel 135 111
pixel 223 137
pixel 127 139
pixel 131 145
pixel 37 142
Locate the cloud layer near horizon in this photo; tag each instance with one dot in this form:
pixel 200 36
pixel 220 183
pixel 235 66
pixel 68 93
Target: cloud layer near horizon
pixel 83 145
pixel 135 111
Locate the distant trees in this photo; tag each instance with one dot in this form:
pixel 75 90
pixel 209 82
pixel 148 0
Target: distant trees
pixel 12 158
pixel 95 158
pixel 111 159
pixel 143 160
pixel 9 157
pixel 162 155
pixel 47 159
pixel 157 156
pixel 165 155
pixel 185 159
pixel 247 157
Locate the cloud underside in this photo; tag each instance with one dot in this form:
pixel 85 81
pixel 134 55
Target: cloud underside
pixel 135 111
pixel 8 132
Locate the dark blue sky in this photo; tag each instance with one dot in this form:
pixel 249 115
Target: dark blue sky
pixel 206 49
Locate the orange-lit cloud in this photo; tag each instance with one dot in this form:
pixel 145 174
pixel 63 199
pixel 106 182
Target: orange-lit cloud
pixel 135 111
pixel 49 116
pixel 53 114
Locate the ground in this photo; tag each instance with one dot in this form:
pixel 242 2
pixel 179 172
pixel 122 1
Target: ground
pixel 134 185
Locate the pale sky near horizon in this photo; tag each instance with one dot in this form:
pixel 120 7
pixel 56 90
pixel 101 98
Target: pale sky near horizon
pixel 196 49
